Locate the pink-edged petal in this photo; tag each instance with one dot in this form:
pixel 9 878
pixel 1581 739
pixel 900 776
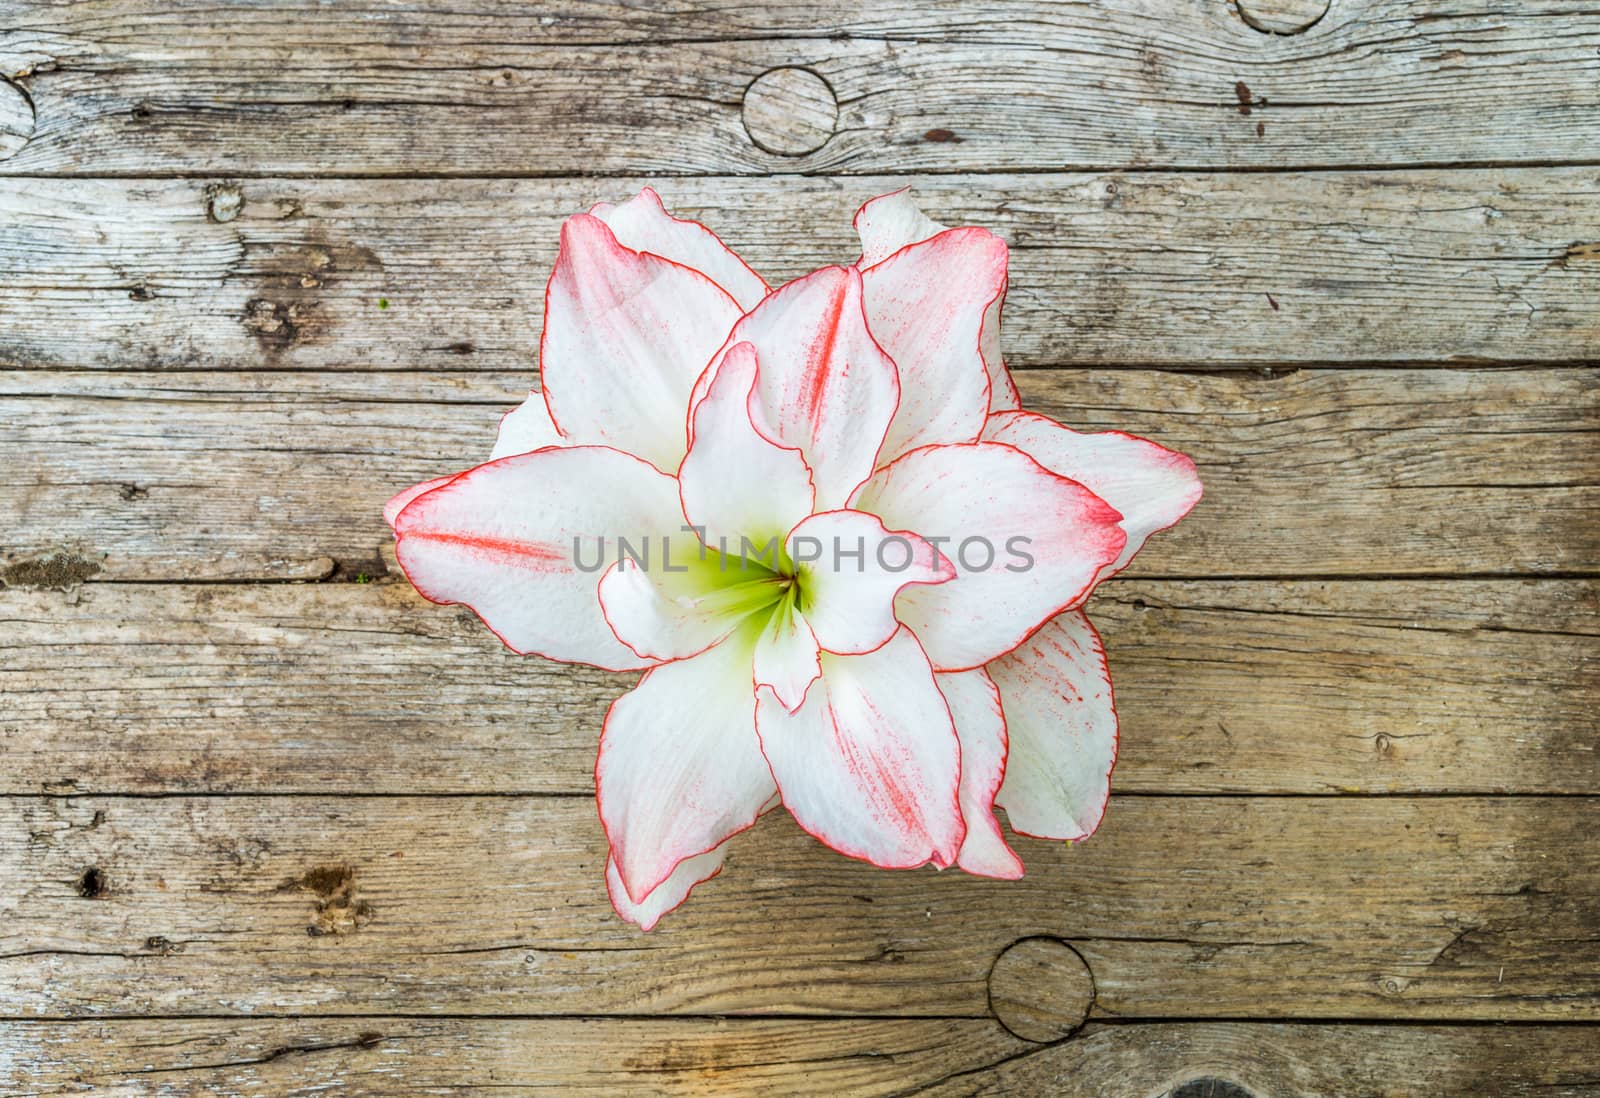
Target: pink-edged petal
pixel 516 540
pixel 400 500
pixel 850 568
pixel 626 334
pixel 1025 542
pixel 671 893
pixel 736 482
pixel 891 222
pixel 526 428
pixel 1152 486
pixel 680 768
pixel 667 896
pixel 681 603
pixel 1061 723
pixel 787 659
pixel 927 305
pixel 870 764
pixel 974 702
pixel 825 386
pixel 1003 395
pixel 643 224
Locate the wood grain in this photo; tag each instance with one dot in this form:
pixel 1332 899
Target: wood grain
pixel 480 86
pixel 1444 908
pixel 1293 687
pixel 205 476
pixel 375 1057
pixel 1126 269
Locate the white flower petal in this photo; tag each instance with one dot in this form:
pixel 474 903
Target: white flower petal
pixel 680 768
pixel 626 334
pixel 670 894
pixel 736 482
pixel 787 658
pixel 1152 486
pixel 1025 543
pixel 667 896
pixel 526 428
pixel 974 702
pixel 891 222
pixel 643 224
pixel 870 763
pixel 1003 395
pixel 825 386
pixel 400 500
pixel 1061 722
pixel 857 568
pixel 512 539
pixel 927 306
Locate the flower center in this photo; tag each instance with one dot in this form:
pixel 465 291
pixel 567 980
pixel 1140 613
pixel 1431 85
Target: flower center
pixel 761 581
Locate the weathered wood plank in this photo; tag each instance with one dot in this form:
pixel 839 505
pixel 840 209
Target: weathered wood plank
pixel 1333 1061
pixel 1124 269
pixel 376 1057
pixel 227 476
pixel 1323 907
pixel 1302 687
pixel 478 86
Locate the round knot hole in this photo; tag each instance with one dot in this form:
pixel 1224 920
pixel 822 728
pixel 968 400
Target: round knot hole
pixel 790 112
pixel 1282 16
pixel 1041 989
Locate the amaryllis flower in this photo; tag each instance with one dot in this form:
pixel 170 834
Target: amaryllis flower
pixel 851 569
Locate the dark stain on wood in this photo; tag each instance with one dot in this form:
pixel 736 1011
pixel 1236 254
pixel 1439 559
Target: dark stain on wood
pixel 338 911
pixel 59 571
pixel 1242 91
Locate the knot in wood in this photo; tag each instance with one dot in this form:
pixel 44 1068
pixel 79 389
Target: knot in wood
pixel 1282 16
pixel 1210 1087
pixel 1040 989
pixel 790 112
pixel 223 202
pixel 16 119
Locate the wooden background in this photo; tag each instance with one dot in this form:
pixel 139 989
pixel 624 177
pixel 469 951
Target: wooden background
pixel 273 825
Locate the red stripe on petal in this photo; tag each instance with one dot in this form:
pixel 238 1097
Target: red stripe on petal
pixel 526 554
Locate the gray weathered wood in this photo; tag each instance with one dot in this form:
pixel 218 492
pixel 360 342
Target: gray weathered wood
pixel 1346 907
pixel 1291 687
pixel 375 1057
pixel 16 119
pixel 1423 267
pixel 571 88
pixel 226 476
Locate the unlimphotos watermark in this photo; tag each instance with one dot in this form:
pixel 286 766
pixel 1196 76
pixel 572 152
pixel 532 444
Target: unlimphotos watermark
pixel 892 553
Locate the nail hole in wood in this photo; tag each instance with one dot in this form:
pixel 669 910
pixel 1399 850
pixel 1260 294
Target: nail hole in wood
pixel 17 119
pixel 92 883
pixel 790 111
pixel 1040 989
pixel 1282 16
